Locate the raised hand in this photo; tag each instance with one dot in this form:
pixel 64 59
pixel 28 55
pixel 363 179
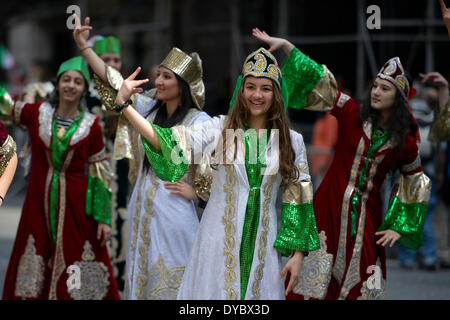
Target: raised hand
pixel 81 33
pixel 438 80
pixel 445 15
pixel 435 78
pixel 273 42
pixel 130 87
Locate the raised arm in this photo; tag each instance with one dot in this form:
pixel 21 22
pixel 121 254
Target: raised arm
pixel 128 88
pixel 445 15
pixel 273 42
pixel 81 36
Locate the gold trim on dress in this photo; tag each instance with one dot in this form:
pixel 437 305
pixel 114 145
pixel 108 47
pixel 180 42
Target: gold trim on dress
pixel 323 95
pixel 259 270
pixel 340 263
pixel 353 277
pixel 165 281
pixel 229 221
pixel 142 278
pixel 46 112
pixel 315 274
pixel 415 188
pixel 59 263
pixel 94 277
pixel 30 272
pixel 298 193
pixel 7 151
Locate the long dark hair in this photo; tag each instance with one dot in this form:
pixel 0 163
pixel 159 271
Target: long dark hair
pixel 177 117
pixel 276 119
pixel 399 124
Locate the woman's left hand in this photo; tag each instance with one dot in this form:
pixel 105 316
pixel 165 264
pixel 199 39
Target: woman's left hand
pixel 183 189
pixel 293 265
pixel 103 232
pixel 388 236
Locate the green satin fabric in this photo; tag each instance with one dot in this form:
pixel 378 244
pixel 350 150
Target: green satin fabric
pixel 298 229
pixel 408 219
pixel 254 165
pixel 58 150
pixel 98 200
pixel 300 75
pixel 161 161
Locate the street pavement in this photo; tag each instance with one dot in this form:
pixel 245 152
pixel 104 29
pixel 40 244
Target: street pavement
pixel 401 284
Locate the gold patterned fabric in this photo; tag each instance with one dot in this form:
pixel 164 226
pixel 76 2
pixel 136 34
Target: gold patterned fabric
pixel 440 129
pixel 30 272
pixel 324 93
pixel 94 277
pixel 315 274
pixel 7 151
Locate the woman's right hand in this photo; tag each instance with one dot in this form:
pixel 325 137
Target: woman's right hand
pixel 81 33
pixel 129 87
pixel 273 42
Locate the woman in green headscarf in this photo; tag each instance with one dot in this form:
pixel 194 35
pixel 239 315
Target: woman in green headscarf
pixel 59 251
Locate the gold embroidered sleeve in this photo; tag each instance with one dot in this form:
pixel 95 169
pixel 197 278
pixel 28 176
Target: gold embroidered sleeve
pixel 440 129
pixel 323 95
pixel 7 150
pixel 6 106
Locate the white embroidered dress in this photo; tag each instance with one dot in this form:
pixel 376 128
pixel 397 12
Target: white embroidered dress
pixel 161 227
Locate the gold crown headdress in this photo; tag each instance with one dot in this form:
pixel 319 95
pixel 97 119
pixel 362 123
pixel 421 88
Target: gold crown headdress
pixel 261 63
pixel 189 68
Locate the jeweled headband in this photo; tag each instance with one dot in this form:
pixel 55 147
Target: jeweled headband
pixel 261 63
pixel 393 72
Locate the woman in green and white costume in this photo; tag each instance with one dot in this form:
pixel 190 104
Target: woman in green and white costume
pixel 162 219
pixel 236 254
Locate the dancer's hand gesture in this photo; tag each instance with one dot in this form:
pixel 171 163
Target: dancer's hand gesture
pixel 81 33
pixel 130 87
pixel 273 42
pixel 445 15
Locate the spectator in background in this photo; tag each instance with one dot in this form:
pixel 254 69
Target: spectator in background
pixel 440 132
pixel 445 15
pixel 422 107
pixel 322 146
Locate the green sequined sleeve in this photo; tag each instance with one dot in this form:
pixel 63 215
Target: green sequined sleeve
pixel 300 74
pixel 408 219
pixel 408 210
pixel 98 200
pixel 298 229
pixel 168 163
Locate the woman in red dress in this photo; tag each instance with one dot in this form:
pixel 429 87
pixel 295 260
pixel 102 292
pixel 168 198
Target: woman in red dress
pixel 374 138
pixel 59 251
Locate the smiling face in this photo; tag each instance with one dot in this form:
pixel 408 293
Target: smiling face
pixel 71 86
pixel 167 87
pixel 258 95
pixel 112 59
pixel 382 95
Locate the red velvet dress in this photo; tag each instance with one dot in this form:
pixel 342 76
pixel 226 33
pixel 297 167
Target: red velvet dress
pixel 38 267
pixel 354 259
